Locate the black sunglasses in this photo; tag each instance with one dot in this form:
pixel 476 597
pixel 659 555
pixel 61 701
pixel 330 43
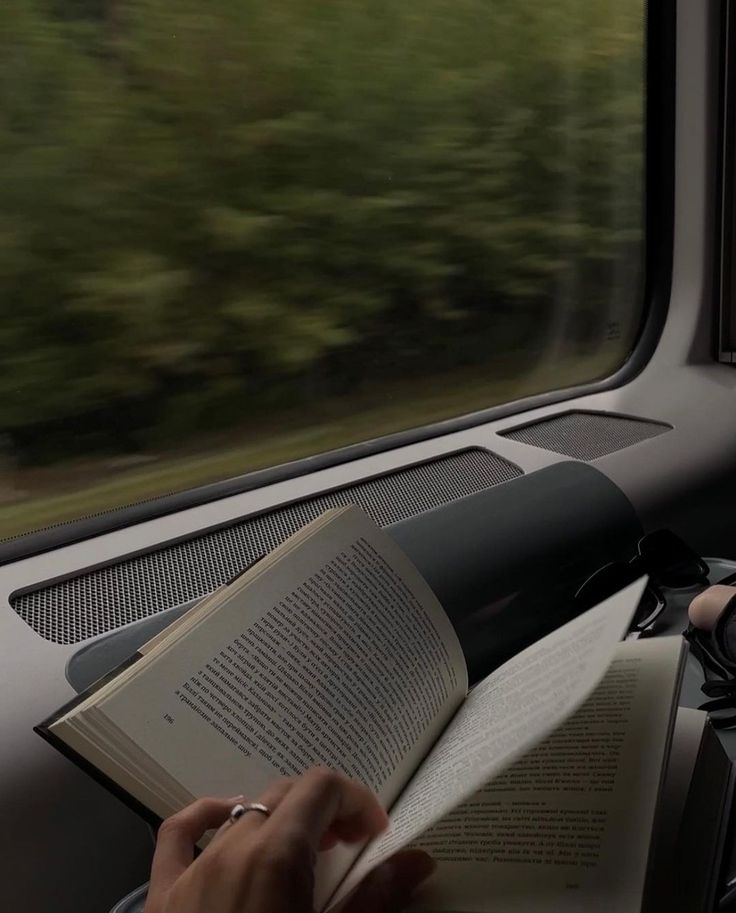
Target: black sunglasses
pixel 665 558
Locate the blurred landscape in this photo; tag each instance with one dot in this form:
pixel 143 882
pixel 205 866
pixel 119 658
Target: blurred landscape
pixel 237 233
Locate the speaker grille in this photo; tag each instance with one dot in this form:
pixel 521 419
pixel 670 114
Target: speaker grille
pixel 104 599
pixel 586 435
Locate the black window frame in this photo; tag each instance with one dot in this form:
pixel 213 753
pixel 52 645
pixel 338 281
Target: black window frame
pixel 726 339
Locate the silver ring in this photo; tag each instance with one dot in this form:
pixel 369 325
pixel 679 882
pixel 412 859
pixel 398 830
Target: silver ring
pixel 237 811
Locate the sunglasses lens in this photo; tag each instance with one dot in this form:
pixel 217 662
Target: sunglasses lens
pixel 614 577
pixel 671 561
pixel 604 583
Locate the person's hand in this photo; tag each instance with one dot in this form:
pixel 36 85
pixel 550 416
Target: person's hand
pixel 261 864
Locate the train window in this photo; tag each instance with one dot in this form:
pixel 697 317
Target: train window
pixel 241 232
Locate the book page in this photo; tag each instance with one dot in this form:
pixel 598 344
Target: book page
pixel 339 655
pixel 568 827
pixel 502 718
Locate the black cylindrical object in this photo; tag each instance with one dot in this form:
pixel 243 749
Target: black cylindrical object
pixel 506 562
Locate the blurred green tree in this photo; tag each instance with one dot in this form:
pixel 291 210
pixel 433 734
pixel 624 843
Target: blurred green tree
pixel 264 201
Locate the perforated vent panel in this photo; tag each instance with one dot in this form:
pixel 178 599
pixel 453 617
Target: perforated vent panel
pixel 586 435
pixel 101 600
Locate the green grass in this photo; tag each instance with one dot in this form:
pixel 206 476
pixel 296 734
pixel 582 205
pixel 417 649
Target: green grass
pixel 69 491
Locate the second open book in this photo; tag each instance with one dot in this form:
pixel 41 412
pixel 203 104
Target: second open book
pixel 333 650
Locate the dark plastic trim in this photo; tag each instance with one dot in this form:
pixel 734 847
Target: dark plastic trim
pixel 504 432
pixel 659 231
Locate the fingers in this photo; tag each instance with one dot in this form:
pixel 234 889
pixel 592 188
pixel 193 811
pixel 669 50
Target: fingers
pixel 309 813
pixel 323 806
pixel 389 887
pixel 253 820
pixel 350 810
pixel 178 835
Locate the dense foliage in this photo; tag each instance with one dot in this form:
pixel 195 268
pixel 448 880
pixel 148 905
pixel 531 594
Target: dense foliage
pixel 213 210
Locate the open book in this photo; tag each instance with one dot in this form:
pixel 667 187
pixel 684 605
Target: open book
pixel 333 650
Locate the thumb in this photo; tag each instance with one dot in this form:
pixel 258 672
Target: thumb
pixel 389 887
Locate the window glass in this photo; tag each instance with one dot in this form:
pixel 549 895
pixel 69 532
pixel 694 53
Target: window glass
pixel 238 232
